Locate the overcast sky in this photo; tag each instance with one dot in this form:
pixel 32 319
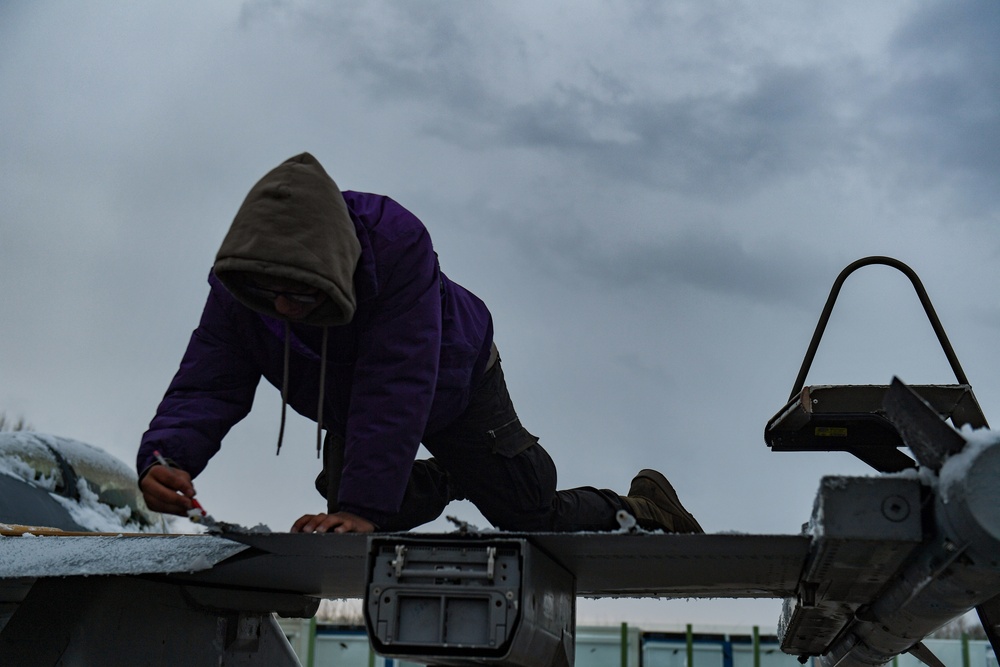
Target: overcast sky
pixel 653 198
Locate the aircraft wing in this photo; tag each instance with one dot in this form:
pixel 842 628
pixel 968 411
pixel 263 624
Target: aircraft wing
pixel 605 564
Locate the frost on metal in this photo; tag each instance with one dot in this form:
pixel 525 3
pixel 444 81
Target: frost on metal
pixel 65 556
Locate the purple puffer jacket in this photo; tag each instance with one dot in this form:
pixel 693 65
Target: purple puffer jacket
pixel 402 367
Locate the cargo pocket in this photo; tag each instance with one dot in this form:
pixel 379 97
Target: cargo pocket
pixel 526 479
pixel 510 439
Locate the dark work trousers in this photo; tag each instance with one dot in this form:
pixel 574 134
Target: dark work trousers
pixel 487 457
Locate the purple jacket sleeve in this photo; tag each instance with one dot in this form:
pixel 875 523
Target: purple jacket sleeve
pixel 212 391
pixel 394 377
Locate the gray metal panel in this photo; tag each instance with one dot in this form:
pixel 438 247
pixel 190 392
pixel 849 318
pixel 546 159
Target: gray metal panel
pixel 24 503
pixel 930 438
pixel 459 601
pixel 322 565
pixel 660 565
pixel 864 530
pixel 76 621
pixel 605 564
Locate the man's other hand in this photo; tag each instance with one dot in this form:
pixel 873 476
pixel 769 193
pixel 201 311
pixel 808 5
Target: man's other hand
pixel 167 490
pixel 341 522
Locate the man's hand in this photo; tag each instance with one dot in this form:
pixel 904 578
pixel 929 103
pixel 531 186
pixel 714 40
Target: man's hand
pixel 167 490
pixel 341 522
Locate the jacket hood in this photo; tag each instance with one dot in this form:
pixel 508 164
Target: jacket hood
pixel 294 224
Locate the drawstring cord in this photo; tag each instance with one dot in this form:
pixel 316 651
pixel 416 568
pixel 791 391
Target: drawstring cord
pixel 322 388
pixel 284 384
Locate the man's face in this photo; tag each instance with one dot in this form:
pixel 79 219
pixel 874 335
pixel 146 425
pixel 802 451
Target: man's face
pixel 291 298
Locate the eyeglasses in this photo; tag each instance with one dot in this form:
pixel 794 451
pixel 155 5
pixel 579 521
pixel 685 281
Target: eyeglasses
pixel 297 297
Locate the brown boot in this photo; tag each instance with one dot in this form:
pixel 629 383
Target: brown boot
pixel 655 506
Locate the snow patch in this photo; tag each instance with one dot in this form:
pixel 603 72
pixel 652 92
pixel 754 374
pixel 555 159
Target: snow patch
pixel 956 468
pixel 94 515
pixel 18 469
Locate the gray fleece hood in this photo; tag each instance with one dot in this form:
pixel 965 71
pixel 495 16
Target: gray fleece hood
pixel 294 224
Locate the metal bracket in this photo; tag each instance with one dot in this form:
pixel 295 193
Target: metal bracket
pixel 453 601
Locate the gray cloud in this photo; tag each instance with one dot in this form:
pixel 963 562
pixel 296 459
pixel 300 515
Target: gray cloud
pixel 704 260
pixel 456 68
pixel 718 146
pixel 939 114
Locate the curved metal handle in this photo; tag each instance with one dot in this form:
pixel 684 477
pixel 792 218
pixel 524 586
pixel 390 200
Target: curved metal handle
pixel 828 308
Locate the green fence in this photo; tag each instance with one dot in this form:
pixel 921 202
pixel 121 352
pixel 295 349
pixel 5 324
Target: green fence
pixel 322 645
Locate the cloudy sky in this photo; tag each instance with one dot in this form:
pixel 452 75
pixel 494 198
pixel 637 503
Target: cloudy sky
pixel 653 198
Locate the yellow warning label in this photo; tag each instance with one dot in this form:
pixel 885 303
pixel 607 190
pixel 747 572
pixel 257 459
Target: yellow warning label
pixel 831 432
